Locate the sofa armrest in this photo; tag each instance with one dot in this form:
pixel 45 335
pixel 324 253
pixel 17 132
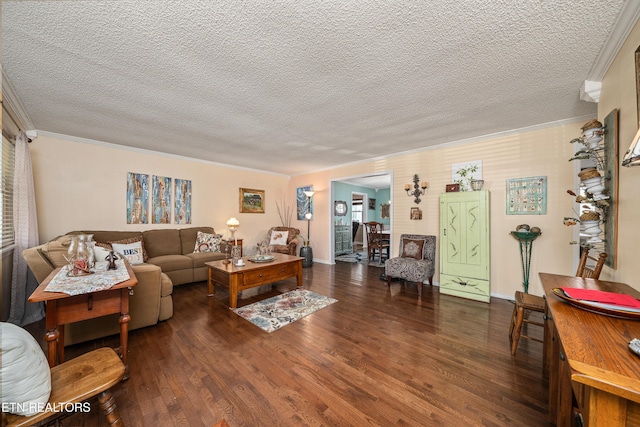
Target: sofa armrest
pixel 293 246
pixel 38 263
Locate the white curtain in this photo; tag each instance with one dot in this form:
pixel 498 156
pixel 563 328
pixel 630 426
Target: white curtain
pixel 22 312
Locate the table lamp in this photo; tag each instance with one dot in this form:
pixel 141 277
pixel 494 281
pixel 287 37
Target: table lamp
pixel 232 226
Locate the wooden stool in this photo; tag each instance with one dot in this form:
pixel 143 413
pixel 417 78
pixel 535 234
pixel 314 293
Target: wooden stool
pixel 76 381
pixel 524 302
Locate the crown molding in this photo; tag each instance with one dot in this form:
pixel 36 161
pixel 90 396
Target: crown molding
pixel 627 19
pixel 590 91
pixel 13 104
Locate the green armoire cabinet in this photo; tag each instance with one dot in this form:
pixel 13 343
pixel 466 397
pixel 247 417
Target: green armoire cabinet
pixel 464 245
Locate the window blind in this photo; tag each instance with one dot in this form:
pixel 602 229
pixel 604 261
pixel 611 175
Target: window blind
pixel 8 168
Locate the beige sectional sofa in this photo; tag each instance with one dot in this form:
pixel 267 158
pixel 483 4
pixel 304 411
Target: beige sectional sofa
pixel 171 261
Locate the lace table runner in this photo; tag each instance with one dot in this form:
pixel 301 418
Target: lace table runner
pixel 101 280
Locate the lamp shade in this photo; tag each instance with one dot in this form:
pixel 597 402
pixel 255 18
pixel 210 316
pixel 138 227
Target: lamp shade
pixel 233 223
pixel 632 156
pixel 309 193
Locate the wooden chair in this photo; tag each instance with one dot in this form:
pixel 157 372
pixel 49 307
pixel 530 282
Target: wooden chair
pixel 588 272
pixel 525 303
pixel 76 381
pixel 375 241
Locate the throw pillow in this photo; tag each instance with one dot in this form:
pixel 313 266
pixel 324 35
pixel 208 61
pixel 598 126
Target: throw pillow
pixel 101 252
pixel 206 242
pixel 132 252
pixel 145 257
pixel 279 238
pixel 412 248
pixel 25 377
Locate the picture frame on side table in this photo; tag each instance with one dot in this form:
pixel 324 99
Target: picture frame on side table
pixel 251 200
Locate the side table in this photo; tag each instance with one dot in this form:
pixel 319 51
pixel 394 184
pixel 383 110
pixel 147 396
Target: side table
pixel 234 242
pixel 62 308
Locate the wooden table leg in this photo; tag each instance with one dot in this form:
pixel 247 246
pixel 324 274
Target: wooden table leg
pixel 210 282
pixel 124 342
pixel 53 333
pixel 233 290
pixel 300 274
pixel 52 344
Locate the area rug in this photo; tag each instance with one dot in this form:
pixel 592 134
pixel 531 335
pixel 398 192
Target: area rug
pixel 360 258
pixel 275 312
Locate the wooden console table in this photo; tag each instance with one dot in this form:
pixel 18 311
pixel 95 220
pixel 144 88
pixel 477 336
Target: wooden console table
pixel 588 358
pixel 63 308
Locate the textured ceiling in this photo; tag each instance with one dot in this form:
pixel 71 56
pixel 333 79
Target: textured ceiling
pixel 295 86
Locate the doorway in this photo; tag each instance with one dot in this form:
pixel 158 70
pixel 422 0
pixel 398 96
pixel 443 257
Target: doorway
pixel 366 192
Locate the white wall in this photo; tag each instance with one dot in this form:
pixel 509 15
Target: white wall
pixel 540 152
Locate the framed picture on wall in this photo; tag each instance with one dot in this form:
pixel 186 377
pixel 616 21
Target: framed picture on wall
pixel 527 196
pixel 161 213
pixel 372 204
pixel 385 210
pixel 251 201
pixel 137 198
pixel 415 214
pixel 304 204
pixel 182 201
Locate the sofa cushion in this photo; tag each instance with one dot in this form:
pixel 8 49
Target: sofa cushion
pixel 166 286
pixel 162 242
pixel 172 262
pixel 188 238
pixel 110 236
pixel 199 258
pixel 56 250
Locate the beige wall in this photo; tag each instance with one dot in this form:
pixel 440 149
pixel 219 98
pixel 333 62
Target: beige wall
pixel 619 91
pixel 543 152
pixel 81 185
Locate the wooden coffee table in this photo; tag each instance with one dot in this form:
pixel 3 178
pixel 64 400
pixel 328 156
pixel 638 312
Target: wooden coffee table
pixel 252 274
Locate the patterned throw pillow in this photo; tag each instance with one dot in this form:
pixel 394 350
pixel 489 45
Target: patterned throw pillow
pixel 206 242
pixel 412 248
pixel 145 257
pixel 132 252
pixel 279 238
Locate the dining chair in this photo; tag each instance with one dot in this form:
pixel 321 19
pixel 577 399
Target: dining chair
pixel 526 303
pixel 375 240
pixel 589 272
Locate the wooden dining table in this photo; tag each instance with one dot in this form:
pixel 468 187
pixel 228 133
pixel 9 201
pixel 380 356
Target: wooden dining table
pixel 588 359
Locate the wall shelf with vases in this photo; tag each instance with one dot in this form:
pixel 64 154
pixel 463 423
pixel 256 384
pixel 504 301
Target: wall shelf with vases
pixel 597 198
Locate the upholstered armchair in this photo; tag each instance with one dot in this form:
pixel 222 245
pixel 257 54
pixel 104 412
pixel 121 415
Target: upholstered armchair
pixel 280 243
pixel 416 262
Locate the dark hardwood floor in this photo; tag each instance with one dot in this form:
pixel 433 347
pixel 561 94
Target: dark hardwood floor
pixel 377 357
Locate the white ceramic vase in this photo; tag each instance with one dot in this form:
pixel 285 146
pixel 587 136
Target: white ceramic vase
pixel 595 188
pixel 593 230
